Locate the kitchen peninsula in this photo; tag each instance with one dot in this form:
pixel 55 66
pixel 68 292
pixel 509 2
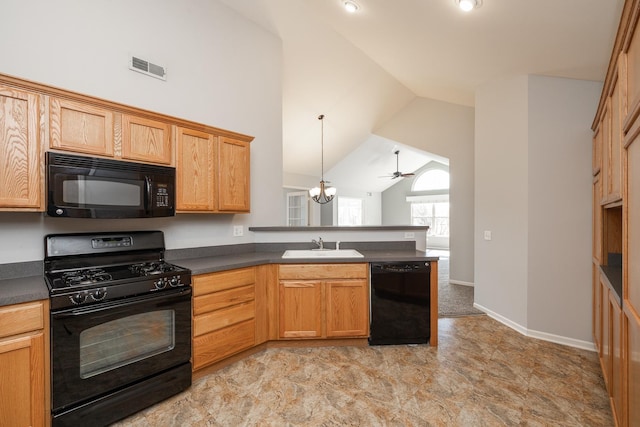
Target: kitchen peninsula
pixel 239 303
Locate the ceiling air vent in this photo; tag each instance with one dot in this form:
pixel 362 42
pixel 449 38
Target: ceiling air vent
pixel 148 68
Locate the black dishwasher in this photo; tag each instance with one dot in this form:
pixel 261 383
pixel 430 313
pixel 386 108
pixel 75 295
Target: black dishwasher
pixel 400 303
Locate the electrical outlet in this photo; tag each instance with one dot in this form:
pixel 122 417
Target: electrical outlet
pixel 238 230
pixel 409 235
pixel 487 235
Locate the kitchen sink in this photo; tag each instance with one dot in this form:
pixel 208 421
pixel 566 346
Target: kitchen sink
pixel 322 253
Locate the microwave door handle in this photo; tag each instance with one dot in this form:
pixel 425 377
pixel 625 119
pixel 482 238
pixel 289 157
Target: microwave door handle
pixel 147 194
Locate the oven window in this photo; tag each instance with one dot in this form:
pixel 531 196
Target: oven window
pixel 90 191
pixel 127 340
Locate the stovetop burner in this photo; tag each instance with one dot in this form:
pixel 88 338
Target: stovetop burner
pixel 84 277
pixel 86 269
pixel 151 268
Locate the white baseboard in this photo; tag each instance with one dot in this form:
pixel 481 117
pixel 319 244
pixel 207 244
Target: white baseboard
pixel 571 342
pixel 460 282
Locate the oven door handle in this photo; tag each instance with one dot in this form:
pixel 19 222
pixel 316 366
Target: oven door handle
pixel 109 305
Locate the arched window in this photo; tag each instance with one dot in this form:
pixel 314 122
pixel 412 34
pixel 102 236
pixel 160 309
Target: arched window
pixel 433 179
pixel 429 200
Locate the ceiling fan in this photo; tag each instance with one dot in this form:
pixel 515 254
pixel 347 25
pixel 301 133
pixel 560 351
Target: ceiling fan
pixel 397 173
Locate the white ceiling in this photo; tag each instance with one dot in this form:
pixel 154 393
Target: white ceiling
pixel 360 69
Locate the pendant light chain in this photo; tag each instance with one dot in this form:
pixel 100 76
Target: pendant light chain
pixel 321 118
pixel 322 194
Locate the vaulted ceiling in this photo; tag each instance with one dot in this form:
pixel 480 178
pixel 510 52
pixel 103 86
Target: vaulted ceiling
pixel 360 69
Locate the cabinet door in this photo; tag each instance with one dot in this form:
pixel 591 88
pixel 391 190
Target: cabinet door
pixel 20 182
pixel 22 394
pixel 597 219
pixel 233 175
pixel 597 151
pixel 597 309
pixel 632 359
pixel 195 178
pixel 606 335
pixel 615 388
pixel 614 151
pixel 631 289
pixel 80 128
pixel 605 130
pixel 146 140
pixel 301 309
pixel 347 308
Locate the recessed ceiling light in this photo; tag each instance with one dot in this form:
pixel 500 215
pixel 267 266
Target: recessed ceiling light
pixel 351 6
pixel 468 5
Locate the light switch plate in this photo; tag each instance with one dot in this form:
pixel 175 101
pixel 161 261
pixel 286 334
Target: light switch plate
pixel 487 235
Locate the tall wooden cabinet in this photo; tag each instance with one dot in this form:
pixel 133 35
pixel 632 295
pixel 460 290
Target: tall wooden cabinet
pixel 616 222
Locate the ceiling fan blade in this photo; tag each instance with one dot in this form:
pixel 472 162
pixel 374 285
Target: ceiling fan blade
pixel 407 174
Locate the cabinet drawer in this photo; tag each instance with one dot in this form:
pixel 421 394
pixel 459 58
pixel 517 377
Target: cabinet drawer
pixel 20 318
pixel 217 345
pixel 222 318
pixel 222 299
pixel 213 282
pixel 323 271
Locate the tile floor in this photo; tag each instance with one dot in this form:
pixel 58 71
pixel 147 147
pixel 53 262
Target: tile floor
pixel 482 374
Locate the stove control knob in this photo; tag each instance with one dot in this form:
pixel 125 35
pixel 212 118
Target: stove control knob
pixel 175 281
pixel 78 298
pixel 99 294
pixel 160 284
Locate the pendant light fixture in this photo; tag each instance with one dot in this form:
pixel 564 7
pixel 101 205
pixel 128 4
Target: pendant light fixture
pixel 322 194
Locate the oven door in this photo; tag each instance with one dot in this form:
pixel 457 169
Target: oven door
pixel 98 349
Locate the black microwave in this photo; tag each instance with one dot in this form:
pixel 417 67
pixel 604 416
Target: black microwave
pixel 88 187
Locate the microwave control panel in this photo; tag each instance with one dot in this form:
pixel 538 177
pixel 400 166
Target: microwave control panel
pixel 162 196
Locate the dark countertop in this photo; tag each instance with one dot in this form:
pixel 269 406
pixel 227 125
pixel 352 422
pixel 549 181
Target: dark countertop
pixel 228 262
pixel 343 228
pixel 14 290
pixel 23 289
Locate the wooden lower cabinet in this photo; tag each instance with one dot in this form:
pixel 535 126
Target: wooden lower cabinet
pixel 632 363
pixel 224 310
pixel 615 383
pixel 24 367
pixel 323 301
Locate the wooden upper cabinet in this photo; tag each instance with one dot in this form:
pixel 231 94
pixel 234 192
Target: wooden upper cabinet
pixel 195 177
pixel 80 128
pixel 146 140
pixel 614 149
pixel 233 175
pixel 20 169
pixel 632 63
pixel 597 151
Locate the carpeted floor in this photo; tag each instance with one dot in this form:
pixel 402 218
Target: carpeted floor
pixel 453 300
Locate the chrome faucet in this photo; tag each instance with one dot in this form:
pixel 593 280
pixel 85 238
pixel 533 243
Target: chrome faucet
pixel 318 242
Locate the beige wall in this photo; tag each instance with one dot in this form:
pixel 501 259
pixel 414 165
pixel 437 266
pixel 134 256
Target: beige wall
pixel 222 70
pixel 533 192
